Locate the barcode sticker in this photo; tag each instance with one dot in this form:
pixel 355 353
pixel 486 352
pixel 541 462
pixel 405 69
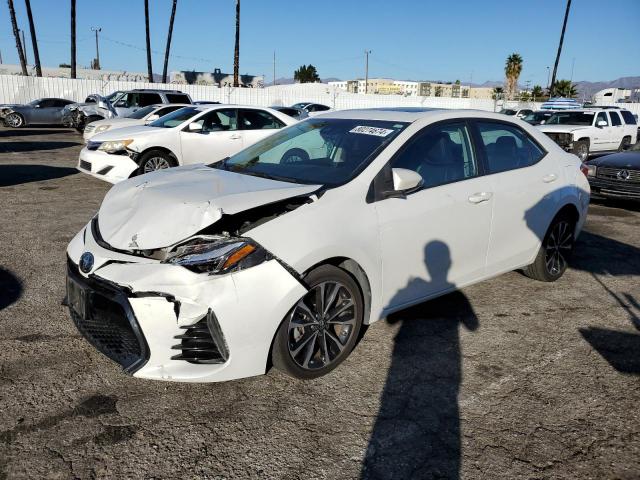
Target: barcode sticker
pixel 378 132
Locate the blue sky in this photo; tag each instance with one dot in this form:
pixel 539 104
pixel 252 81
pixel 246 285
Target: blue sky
pixel 409 39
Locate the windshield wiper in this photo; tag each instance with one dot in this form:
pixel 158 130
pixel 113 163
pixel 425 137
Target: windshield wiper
pixel 268 176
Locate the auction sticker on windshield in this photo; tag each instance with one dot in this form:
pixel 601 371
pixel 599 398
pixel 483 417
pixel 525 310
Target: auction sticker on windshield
pixel 378 132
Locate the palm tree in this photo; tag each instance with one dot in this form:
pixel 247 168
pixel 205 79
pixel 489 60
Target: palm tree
pixel 73 39
pixel 16 33
pixel 236 52
pixel 552 91
pixel 34 40
pixel 536 92
pixel 146 26
pixel 166 52
pixel 564 88
pixel 512 70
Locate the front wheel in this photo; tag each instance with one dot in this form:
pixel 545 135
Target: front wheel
pixel 624 144
pixel 555 251
pixel 581 149
pixel 322 327
pixel 14 120
pixel 156 160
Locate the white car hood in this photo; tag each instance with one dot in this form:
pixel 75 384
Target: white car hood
pixel 119 122
pixel 126 132
pixel 164 207
pixel 561 128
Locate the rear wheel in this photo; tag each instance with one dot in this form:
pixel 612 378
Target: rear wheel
pixel 14 120
pixel 555 251
pixel 581 149
pixel 322 328
pixel 156 160
pixel 624 144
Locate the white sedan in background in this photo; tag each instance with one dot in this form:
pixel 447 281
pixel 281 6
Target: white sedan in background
pixel 142 116
pixel 281 253
pixel 193 134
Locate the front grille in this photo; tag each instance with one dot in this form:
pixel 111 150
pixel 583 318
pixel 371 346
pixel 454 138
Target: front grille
pixel 202 342
pixel 618 174
pixel 85 165
pixel 560 138
pixel 109 323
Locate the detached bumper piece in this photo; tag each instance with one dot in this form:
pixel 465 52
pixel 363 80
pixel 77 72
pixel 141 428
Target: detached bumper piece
pixel 202 342
pixel 103 315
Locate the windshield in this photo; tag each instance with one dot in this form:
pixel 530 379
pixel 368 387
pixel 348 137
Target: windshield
pixel 33 103
pixel 175 118
pixel 301 105
pixel 112 96
pixel 321 151
pixel 143 112
pixel 571 118
pixel 508 112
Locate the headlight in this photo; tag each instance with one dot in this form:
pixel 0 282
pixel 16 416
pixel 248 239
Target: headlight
pixel 102 128
pixel 114 146
pixel 589 170
pixel 215 255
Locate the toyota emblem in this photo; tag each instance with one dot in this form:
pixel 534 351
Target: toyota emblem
pixel 86 262
pixel 623 175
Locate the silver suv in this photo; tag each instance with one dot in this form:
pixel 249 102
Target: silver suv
pixel 118 104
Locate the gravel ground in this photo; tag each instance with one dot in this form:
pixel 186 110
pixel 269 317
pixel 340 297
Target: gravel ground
pixel 507 379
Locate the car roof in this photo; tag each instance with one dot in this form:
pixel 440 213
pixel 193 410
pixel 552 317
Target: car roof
pixel 154 90
pixel 411 114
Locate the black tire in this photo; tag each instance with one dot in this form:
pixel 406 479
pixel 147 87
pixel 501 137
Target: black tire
pixel 624 144
pixel 294 155
pixel 334 332
pixel 155 160
pixel 555 251
pixel 14 120
pixel 581 149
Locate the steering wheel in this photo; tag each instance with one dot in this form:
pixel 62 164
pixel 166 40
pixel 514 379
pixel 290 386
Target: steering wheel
pixel 294 155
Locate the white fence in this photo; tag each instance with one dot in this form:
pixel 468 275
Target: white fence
pixel 20 89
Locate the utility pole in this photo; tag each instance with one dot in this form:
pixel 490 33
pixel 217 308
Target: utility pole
pixel 96 65
pixel 34 40
pixel 548 73
pixel 24 47
pixel 236 50
pixel 274 67
pixel 366 70
pixel 573 64
pixel 555 66
pixel 73 39
pixel 16 36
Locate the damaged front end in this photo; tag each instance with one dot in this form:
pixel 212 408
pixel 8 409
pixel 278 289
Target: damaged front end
pixel 76 115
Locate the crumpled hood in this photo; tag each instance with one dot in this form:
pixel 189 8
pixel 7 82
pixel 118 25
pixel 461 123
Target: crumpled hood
pixel 164 207
pixel 560 128
pixel 117 133
pixel 118 122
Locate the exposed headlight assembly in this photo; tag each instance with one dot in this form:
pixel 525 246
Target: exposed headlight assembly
pixel 102 128
pixel 114 146
pixel 215 255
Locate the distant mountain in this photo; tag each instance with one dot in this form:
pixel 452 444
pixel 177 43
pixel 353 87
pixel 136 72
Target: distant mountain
pixel 289 81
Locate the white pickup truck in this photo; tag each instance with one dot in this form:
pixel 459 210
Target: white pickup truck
pixel 592 130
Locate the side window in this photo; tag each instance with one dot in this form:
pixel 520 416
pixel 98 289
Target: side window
pixel 47 103
pixel 320 108
pixel 629 119
pixel 178 98
pixel 440 154
pixel 163 111
pixel 615 119
pixel 258 120
pixel 219 121
pixel 507 147
pixel 602 117
pixel 146 99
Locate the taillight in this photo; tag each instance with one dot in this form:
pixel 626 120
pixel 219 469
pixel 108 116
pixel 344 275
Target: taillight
pixel 588 170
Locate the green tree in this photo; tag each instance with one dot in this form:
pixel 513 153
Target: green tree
pixel 306 74
pixel 498 93
pixel 438 92
pixel 525 96
pixel 564 88
pixel 512 70
pixel 537 93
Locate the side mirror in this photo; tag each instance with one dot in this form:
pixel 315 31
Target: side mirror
pixel 601 123
pixel 152 118
pixel 195 127
pixel 542 122
pixel 121 104
pixel 405 181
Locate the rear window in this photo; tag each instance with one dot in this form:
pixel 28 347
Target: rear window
pixel 629 119
pixel 615 119
pixel 178 98
pixel 145 99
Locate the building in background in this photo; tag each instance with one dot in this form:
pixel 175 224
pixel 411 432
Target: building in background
pixel 616 95
pixel 85 73
pixel 409 88
pixel 216 78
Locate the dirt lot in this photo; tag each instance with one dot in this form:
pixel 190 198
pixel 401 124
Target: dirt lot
pixel 507 379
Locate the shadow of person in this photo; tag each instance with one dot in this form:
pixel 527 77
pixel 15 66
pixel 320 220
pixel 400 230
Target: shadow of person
pixel 417 431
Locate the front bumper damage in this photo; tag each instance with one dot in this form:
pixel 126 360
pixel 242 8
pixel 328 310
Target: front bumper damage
pixel 168 323
pixel 109 167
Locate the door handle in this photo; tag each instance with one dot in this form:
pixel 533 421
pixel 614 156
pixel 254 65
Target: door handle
pixel 552 177
pixel 235 136
pixel 480 197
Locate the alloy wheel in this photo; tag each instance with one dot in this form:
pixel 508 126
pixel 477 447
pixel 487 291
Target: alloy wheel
pixel 558 247
pixel 321 324
pixel 155 163
pixel 14 120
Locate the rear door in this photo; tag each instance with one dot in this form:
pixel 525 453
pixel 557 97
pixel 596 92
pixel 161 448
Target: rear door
pixel 256 124
pixel 617 130
pixel 219 137
pixel 522 176
pixel 602 136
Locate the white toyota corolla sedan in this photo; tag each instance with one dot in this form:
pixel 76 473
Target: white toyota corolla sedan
pixel 281 253
pixel 188 135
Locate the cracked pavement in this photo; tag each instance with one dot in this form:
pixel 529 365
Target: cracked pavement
pixel 509 378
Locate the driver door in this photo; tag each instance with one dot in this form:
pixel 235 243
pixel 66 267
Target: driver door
pixel 44 112
pixel 437 238
pixel 219 137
